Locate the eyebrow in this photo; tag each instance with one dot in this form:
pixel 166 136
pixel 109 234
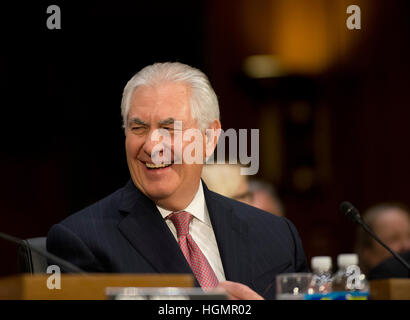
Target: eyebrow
pixel 137 121
pixel 166 121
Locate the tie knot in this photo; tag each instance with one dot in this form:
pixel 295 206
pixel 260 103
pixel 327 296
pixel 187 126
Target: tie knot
pixel 181 221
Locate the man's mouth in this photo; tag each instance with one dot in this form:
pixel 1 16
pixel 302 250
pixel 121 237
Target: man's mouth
pixel 153 166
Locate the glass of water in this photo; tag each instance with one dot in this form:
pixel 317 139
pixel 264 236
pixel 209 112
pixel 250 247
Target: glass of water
pixel 292 286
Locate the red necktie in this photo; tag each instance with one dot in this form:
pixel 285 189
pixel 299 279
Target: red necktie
pixel 196 259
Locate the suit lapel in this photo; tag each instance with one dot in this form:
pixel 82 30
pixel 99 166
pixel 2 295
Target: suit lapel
pixel 148 233
pixel 231 233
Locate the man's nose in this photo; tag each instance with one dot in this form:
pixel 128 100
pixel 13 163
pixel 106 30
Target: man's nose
pixel 152 140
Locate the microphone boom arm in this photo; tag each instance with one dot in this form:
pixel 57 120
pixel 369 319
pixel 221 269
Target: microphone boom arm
pixel 395 254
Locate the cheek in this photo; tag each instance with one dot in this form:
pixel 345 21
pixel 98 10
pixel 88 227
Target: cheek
pixel 132 146
pixel 192 150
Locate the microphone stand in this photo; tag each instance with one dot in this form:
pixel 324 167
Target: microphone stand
pixel 395 254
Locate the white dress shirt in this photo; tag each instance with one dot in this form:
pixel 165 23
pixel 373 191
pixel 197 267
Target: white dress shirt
pixel 201 231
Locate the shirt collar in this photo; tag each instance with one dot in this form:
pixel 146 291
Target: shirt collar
pixel 197 207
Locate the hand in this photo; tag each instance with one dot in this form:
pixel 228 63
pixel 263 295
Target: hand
pixel 238 291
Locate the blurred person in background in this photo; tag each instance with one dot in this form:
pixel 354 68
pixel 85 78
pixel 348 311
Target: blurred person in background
pixel 391 223
pixel 226 179
pixel 265 197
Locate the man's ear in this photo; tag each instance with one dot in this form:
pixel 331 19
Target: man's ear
pixel 212 134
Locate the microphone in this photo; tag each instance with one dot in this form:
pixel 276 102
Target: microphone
pixel 353 214
pixel 63 263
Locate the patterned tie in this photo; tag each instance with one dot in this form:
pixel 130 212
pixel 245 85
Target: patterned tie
pixel 196 259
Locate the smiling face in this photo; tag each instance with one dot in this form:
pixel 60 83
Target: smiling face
pixel 154 108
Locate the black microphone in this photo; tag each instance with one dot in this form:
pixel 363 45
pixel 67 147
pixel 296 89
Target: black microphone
pixel 353 214
pixel 63 263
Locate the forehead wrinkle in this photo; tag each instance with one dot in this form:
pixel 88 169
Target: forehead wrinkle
pixel 147 98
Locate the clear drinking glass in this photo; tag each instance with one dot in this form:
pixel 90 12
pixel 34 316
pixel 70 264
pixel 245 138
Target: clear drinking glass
pixel 292 286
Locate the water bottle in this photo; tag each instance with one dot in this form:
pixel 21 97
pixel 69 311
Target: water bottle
pixel 349 282
pixel 322 276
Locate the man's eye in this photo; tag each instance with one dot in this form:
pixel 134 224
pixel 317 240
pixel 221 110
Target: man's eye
pixel 166 129
pixel 137 129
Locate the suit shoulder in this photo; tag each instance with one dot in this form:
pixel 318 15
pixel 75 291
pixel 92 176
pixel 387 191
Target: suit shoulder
pixel 102 209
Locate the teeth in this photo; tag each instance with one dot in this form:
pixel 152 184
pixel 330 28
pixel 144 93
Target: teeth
pixel 156 166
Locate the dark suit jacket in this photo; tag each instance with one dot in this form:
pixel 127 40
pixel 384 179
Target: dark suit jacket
pixel 390 268
pixel 125 233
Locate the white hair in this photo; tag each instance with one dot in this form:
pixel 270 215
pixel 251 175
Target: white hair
pixel 204 103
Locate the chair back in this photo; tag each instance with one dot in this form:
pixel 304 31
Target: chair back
pixel 30 261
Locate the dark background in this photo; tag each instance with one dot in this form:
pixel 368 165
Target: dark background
pixel 333 127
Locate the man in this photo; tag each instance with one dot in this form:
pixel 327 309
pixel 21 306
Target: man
pixel 391 223
pixel 165 220
pixel 226 179
pixel 264 197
